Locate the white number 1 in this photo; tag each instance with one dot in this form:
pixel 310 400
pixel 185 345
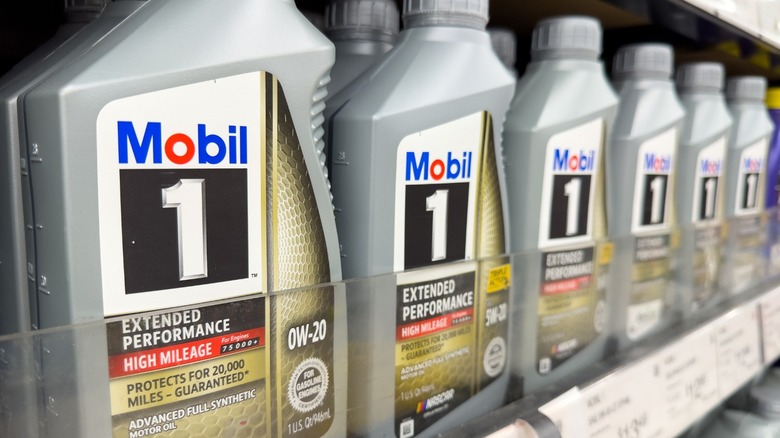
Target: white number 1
pixel 657 187
pixel 188 197
pixel 709 200
pixel 572 190
pixel 437 203
pixel 751 192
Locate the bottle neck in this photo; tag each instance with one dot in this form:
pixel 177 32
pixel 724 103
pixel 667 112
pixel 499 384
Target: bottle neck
pixel 442 20
pixel 359 35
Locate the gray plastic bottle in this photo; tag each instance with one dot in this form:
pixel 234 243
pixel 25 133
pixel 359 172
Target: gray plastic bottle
pixel 317 19
pixel 179 162
pixel 362 31
pixel 554 141
pixel 18 301
pixel 505 45
pixel 699 186
pixel 746 165
pixel 418 183
pixel 641 160
pixel 18 304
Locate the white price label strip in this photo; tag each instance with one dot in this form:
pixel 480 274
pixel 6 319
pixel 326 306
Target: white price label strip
pixel 770 325
pixel 737 343
pixel 689 379
pixel 518 429
pixel 567 412
pixel 625 404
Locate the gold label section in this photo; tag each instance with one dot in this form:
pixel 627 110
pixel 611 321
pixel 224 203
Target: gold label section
pixel 301 323
pixel 706 261
pixel 436 338
pixel 418 354
pixel 493 275
pixel 158 388
pixel 605 253
pixel 571 288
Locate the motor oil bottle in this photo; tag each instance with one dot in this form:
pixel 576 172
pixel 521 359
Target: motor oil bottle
pixel 746 164
pixel 641 160
pixel 84 26
pixel 554 136
pixel 773 185
pixel 699 183
pixel 18 306
pixel 362 31
pixel 505 45
pixel 773 169
pixel 317 19
pixel 418 189
pixel 178 163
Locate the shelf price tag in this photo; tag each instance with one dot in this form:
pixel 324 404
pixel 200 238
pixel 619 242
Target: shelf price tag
pixel 737 344
pixel 689 379
pixel 567 412
pixel 625 404
pixel 518 429
pixel 770 325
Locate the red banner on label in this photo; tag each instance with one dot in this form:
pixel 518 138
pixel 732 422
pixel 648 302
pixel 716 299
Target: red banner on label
pixel 433 325
pixel 181 354
pixel 566 286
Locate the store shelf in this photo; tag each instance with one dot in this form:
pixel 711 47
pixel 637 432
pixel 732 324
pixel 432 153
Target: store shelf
pixel 660 387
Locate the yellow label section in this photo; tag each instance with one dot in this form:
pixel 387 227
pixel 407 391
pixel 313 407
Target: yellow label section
pixel 158 388
pixel 605 253
pixel 552 304
pixel 499 279
pixel 418 350
pixel 650 270
pixel 675 239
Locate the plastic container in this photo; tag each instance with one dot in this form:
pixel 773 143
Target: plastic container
pixel 746 165
pixel 417 180
pixel 773 184
pixel 18 310
pixel 699 186
pixel 18 294
pixel 554 141
pixel 773 165
pixel 362 31
pixel 641 162
pixel 505 45
pixel 199 177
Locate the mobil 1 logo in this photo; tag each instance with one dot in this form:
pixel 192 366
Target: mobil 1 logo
pixel 436 174
pixel 568 190
pixel 183 226
pixel 750 189
pixel 654 196
pixel 179 195
pixel 709 169
pixel 570 200
pixel 656 158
